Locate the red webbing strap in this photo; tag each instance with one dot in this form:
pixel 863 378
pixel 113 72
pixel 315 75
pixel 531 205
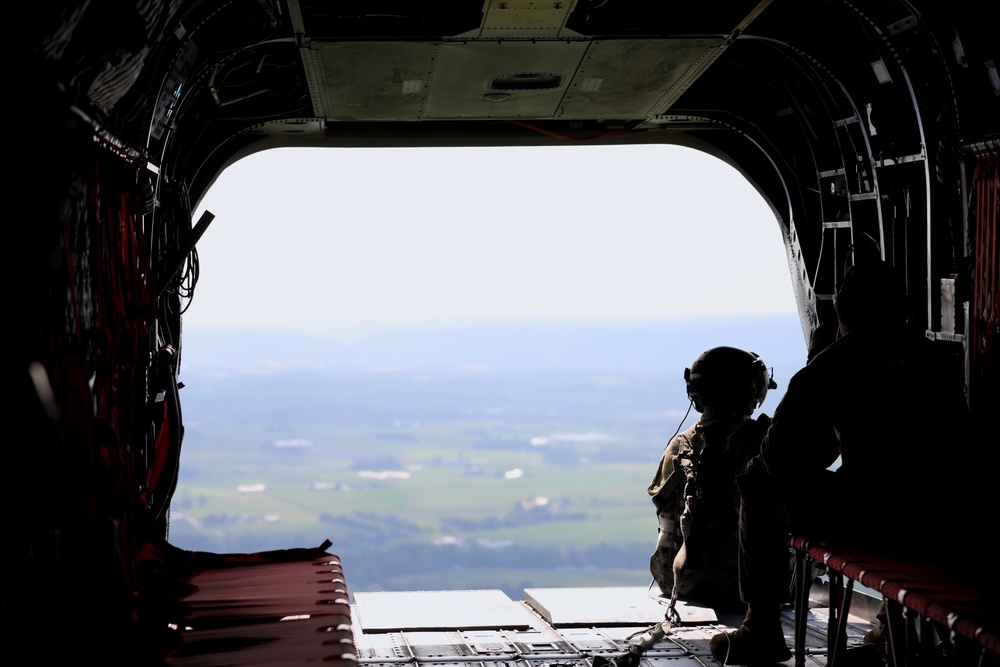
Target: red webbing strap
pixel 933 590
pixel 986 270
pixel 269 611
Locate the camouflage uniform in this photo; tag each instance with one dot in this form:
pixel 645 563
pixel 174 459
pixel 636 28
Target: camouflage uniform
pixel 697 505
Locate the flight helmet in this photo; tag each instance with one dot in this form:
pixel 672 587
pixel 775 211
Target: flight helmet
pixel 728 377
pixel 871 294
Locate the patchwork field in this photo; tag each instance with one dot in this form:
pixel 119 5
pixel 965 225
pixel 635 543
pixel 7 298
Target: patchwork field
pixel 427 472
pixel 468 481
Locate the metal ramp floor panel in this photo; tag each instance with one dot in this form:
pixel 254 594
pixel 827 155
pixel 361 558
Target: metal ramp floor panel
pixel 540 631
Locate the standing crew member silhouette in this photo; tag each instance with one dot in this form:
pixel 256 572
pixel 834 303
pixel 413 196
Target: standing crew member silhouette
pixel 878 399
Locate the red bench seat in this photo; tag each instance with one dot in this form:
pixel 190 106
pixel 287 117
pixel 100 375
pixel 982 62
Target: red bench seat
pixel 939 595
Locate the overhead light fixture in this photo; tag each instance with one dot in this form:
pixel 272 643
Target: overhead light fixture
pixel 991 70
pixel 881 72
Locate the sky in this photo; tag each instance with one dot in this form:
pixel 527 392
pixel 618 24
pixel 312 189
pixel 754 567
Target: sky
pixel 327 237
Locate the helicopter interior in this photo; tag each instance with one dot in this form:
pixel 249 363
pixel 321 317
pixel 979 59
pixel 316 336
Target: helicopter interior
pixel 872 125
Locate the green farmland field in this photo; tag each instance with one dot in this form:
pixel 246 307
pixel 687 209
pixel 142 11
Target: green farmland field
pixel 530 480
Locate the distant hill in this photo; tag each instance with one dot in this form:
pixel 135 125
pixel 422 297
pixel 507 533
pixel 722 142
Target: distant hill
pixel 648 346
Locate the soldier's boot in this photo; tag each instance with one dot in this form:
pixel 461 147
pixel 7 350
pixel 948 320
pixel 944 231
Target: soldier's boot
pixel 878 634
pixel 758 641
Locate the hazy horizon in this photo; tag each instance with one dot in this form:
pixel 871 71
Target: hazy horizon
pixel 646 345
